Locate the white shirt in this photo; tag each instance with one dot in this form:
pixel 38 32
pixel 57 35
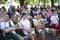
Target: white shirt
pixel 17 14
pixel 25 24
pixel 6 24
pixel 54 19
pixel 36 22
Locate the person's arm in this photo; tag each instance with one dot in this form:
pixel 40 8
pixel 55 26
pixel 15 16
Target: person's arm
pixel 51 19
pixel 20 24
pixel 35 24
pixel 42 25
pixel 8 29
pixel 57 18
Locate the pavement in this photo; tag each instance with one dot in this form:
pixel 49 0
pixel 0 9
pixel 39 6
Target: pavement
pixel 50 37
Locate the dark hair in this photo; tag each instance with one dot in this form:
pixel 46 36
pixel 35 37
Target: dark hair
pixel 5 13
pixel 58 7
pixel 38 14
pixel 53 10
pixel 23 14
pixel 4 8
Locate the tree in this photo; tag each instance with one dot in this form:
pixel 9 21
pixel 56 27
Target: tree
pixel 2 1
pixel 29 1
pixel 21 2
pixel 44 2
pixel 53 2
pixel 17 1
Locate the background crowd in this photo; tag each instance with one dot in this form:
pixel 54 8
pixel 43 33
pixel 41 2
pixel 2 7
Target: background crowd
pixel 23 24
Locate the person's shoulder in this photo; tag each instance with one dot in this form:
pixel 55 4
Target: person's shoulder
pixel 2 22
pixel 21 20
pixel 52 16
pixel 10 21
pixel 42 19
pixel 56 15
pixel 34 19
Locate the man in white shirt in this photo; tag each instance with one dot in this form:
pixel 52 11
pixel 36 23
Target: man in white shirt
pixel 25 25
pixel 8 27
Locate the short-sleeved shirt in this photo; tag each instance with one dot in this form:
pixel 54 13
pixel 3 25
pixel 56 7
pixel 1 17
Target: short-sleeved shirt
pixel 54 19
pixel 6 24
pixel 36 22
pixel 25 23
pixel 49 14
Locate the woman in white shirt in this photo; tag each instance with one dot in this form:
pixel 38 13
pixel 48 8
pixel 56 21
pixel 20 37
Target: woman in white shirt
pixel 55 21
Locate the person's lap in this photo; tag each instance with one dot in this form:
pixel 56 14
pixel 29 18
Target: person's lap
pixel 15 37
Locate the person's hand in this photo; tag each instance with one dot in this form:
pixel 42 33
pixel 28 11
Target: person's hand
pixel 16 26
pixel 42 26
pixel 13 28
pixel 21 38
pixel 50 24
pixel 57 25
pixel 57 19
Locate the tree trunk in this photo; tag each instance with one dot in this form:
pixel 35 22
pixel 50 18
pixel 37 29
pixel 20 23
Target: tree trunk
pixel 21 2
pixel 52 3
pixel 44 3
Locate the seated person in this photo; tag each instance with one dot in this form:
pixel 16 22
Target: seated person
pixel 50 28
pixel 8 28
pixel 55 20
pixel 25 25
pixel 39 25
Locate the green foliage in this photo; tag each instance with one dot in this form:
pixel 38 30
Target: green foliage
pixel 45 2
pixel 2 1
pixel 32 1
pixel 16 1
pixel 55 1
pixel 29 1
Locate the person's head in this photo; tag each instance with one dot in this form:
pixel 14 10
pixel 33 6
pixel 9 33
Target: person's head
pixel 54 11
pixel 24 15
pixel 11 6
pixel 58 9
pixel 18 6
pixel 43 10
pixel 47 9
pixel 38 16
pixel 14 12
pixel 6 17
pixel 14 18
pixel 3 7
